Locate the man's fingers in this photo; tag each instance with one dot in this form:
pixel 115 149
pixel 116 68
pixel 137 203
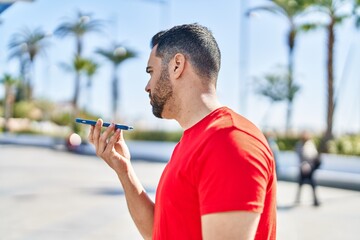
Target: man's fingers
pixel 104 137
pixel 97 132
pixel 115 137
pixel 112 141
pixel 103 142
pixel 91 135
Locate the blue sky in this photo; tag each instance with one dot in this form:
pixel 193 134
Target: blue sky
pixel 246 53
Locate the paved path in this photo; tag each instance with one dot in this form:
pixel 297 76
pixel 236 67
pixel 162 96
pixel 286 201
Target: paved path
pixel 335 171
pixel 51 194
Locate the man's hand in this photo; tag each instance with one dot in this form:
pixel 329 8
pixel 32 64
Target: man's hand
pixel 110 146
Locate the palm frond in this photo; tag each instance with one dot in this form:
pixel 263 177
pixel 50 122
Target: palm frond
pixel 117 53
pixel 81 24
pixel 90 67
pixel 310 26
pixel 340 18
pixel 286 8
pixel 272 86
pixel 9 80
pixel 28 42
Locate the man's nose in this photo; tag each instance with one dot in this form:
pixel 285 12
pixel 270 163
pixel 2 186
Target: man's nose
pixel 147 87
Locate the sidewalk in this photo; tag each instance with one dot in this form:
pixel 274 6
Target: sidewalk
pixel 51 194
pixel 336 171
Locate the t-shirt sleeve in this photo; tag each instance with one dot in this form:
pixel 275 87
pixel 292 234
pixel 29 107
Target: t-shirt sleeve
pixel 233 171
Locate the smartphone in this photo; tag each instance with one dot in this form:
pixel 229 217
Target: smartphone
pixel 105 124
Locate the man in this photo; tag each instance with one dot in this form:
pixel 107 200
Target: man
pixel 309 159
pixel 220 182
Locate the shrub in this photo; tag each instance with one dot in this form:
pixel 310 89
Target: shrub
pixel 62 119
pixel 155 135
pixel 287 143
pixel 22 109
pixel 347 145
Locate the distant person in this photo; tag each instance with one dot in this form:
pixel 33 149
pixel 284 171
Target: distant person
pixel 271 138
pixel 220 182
pixel 309 162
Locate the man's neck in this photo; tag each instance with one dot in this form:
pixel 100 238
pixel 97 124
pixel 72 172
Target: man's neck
pixel 195 108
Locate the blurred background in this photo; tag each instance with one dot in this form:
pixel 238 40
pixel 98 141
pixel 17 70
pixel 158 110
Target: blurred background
pixel 288 66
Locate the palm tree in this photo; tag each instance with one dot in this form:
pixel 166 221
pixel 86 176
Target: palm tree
pixel 116 55
pixel 332 9
pixel 290 10
pixel 77 65
pixel 275 87
pixel 9 99
pixel 26 45
pixel 79 27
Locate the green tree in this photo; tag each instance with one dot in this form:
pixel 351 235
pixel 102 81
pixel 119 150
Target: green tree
pixel 26 45
pixel 333 11
pixel 290 10
pixel 116 55
pixel 9 83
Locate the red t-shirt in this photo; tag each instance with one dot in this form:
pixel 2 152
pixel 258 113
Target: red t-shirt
pixel 223 163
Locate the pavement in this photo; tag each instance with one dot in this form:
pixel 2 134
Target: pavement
pixel 49 193
pixel 335 171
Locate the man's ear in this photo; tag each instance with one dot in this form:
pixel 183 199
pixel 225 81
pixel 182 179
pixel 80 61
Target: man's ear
pixel 178 65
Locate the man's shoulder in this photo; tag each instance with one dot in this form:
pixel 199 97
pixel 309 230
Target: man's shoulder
pixel 231 121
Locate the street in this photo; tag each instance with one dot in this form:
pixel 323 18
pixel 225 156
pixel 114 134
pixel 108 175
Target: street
pixel 52 194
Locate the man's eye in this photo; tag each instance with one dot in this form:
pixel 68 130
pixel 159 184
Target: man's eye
pixel 149 70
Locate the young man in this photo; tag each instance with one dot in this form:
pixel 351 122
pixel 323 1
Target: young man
pixel 220 182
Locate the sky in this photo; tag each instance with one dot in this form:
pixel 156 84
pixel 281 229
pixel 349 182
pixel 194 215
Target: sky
pixel 251 47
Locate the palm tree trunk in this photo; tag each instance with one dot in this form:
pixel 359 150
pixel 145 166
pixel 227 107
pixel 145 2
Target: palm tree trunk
pixel 25 74
pixel 89 97
pixel 30 80
pixel 74 102
pixel 330 87
pixel 21 93
pixel 77 90
pixel 7 111
pixel 115 94
pixel 290 97
pixel 78 46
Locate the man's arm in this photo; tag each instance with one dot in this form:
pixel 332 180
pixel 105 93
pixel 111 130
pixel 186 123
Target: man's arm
pixel 111 147
pixel 230 225
pixel 140 206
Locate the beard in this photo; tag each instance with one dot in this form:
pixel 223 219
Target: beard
pixel 162 93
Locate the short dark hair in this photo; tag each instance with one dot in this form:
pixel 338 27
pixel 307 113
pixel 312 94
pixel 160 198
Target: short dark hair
pixel 196 42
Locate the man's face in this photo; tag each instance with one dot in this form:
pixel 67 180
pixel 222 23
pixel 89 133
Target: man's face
pixel 161 93
pixel 159 86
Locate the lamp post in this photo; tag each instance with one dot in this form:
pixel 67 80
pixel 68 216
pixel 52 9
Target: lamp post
pixel 243 57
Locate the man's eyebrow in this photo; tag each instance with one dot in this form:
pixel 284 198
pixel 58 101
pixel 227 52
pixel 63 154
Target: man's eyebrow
pixel 148 69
